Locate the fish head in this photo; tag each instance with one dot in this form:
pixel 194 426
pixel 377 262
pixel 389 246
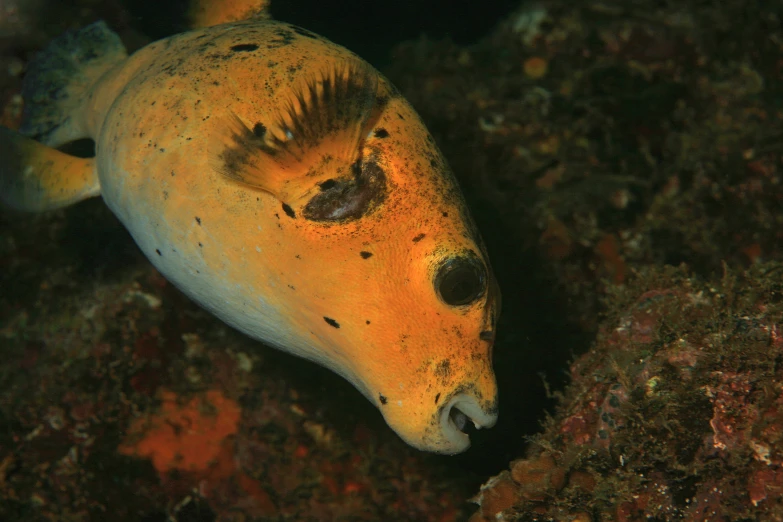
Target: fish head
pixel 429 353
pixel 394 290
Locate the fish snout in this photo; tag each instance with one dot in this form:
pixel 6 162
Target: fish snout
pixel 454 417
pixel 442 421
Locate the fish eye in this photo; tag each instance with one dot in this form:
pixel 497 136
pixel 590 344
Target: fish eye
pixel 460 280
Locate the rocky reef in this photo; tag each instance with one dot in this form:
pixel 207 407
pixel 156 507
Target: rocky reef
pixel 608 143
pixel 675 413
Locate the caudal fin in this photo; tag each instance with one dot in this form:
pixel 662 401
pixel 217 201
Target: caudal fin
pixel 35 178
pixel 60 77
pixel 206 13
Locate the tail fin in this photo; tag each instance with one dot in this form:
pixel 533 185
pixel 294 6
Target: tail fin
pixel 206 13
pixel 60 77
pixel 35 178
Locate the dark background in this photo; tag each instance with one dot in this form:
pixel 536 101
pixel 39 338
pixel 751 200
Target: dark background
pixel 370 28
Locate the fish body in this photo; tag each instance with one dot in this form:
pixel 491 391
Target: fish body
pixel 284 185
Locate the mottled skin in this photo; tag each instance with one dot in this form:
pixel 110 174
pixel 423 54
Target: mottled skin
pixel 205 13
pixel 355 296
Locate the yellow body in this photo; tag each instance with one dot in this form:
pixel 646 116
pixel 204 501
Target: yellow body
pixel 355 295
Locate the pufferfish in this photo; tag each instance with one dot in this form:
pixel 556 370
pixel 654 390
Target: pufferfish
pixel 286 186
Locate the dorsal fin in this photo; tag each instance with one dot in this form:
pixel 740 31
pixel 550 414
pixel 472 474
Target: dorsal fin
pixel 206 13
pixel 317 134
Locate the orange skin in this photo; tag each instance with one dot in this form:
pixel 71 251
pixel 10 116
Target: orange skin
pixel 156 119
pixel 205 13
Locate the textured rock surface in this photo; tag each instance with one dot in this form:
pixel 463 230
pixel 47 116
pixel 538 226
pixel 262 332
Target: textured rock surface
pixel 676 412
pixel 602 140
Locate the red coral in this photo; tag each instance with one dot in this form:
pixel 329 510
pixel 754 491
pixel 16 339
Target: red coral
pixel 184 436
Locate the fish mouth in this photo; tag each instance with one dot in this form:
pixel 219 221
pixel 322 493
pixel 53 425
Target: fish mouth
pixel 454 417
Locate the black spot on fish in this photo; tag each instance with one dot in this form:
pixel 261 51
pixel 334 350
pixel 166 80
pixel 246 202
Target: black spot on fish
pixel 158 251
pixel 445 214
pixel 172 174
pixel 365 255
pixel 383 399
pixel 289 211
pixel 326 185
pixel 198 220
pixel 304 32
pixel 244 48
pixel 437 398
pixel 165 195
pixel 331 322
pixel 259 130
pixel 419 238
pixel 367 321
pixel 381 133
pixel 487 335
pixel 200 244
pixel 433 164
pixel 291 287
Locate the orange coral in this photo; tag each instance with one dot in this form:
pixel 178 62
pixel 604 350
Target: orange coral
pixel 183 436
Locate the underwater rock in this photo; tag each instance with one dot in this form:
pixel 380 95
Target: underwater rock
pixel 676 412
pixel 595 138
pixel 595 141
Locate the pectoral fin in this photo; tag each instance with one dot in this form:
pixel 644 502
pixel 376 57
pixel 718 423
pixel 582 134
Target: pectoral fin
pixel 316 136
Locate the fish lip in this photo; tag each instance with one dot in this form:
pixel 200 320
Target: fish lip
pixel 467 409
